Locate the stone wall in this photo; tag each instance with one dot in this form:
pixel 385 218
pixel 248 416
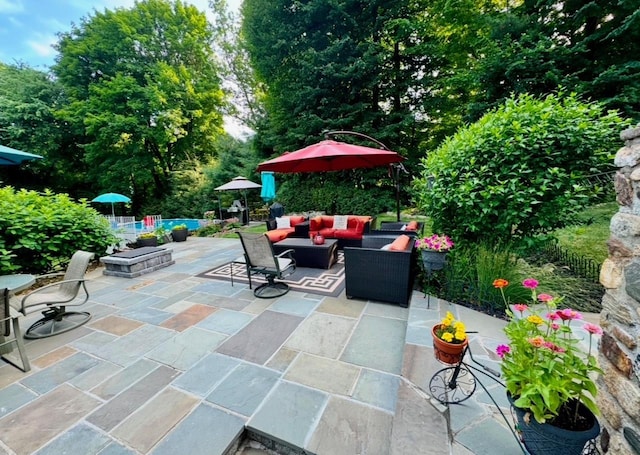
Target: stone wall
pixel 619 356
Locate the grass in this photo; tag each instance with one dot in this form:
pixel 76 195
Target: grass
pixel 588 237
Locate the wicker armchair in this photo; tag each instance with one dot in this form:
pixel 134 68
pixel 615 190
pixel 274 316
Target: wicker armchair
pixel 393 228
pixel 375 274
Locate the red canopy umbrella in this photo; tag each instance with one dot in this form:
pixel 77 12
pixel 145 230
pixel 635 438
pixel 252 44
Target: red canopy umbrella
pixel 330 156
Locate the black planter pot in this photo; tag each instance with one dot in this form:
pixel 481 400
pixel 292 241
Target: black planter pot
pixel 433 260
pixel 546 439
pixel 179 235
pixel 152 241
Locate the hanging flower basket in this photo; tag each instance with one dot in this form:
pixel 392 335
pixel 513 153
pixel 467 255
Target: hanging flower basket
pixel 449 353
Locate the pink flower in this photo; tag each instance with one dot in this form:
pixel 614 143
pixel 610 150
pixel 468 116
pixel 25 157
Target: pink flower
pixel 545 298
pixel 555 326
pixel 503 350
pixel 568 314
pixel 552 347
pixel 552 316
pixel 592 328
pixel 530 283
pixel 521 307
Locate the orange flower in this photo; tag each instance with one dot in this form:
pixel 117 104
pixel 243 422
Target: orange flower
pixel 500 283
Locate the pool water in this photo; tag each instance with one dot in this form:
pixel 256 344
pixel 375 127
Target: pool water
pixel 192 224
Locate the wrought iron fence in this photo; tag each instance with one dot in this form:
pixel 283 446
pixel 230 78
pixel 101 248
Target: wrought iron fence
pixel 578 265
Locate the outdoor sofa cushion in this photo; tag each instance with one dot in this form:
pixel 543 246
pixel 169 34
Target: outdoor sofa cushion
pixel 275 235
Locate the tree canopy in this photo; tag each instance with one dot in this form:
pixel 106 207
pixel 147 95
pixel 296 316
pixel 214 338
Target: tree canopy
pixel 144 93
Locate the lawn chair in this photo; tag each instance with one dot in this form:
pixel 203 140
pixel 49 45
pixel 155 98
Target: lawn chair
pixel 8 318
pixel 52 300
pixel 260 259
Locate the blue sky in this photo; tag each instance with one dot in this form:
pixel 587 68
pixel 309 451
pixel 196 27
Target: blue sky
pixel 28 28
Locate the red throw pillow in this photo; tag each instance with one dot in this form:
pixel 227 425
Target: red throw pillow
pixel 315 224
pixel 412 226
pixel 400 243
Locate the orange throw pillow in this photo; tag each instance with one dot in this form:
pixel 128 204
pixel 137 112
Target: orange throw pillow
pixel 412 226
pixel 400 244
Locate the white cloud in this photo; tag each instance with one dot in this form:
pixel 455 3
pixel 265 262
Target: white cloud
pixel 11 6
pixel 43 47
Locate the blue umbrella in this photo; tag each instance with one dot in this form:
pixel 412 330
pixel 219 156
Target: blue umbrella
pixel 268 192
pixel 111 198
pixel 9 156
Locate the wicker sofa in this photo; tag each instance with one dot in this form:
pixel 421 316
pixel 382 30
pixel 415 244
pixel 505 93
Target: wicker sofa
pixel 299 228
pixel 393 228
pixel 357 227
pixel 375 274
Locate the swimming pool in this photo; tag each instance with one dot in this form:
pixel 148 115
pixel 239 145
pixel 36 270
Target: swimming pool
pixel 192 223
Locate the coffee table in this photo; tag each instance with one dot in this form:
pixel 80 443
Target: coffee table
pixel 307 254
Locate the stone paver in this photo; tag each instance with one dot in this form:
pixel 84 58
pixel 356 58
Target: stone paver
pixel 289 414
pixel 369 430
pixel 115 325
pixel 325 374
pixel 322 334
pixel 13 397
pixel 49 416
pixel 206 374
pixel 377 343
pixel 258 341
pixel 377 389
pixel 51 377
pixel 226 321
pixel 186 348
pixel 80 440
pixel 188 317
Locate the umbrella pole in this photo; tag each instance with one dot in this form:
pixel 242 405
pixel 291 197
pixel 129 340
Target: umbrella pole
pixel 219 208
pixel 113 213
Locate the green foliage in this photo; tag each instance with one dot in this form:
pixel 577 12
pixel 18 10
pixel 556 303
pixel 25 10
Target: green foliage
pixel 471 270
pixel 519 170
pixel 545 367
pixel 144 92
pixel 40 233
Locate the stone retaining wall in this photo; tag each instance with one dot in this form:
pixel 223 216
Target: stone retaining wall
pixel 619 356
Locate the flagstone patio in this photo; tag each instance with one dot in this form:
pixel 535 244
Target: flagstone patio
pixel 173 363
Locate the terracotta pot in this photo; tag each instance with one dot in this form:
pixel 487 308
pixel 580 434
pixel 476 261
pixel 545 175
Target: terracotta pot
pixel 449 353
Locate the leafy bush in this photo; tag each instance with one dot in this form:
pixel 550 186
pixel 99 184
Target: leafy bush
pixel 348 192
pixel 40 232
pixel 519 170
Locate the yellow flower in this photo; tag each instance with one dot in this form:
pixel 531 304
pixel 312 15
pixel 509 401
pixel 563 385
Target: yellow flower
pixel 535 319
pixel 459 326
pixel 460 335
pixel 448 337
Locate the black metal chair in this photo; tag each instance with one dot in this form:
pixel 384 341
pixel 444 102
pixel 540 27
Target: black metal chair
pixel 52 300
pixel 261 259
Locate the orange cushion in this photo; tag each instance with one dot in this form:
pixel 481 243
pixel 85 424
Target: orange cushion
pixel 327 221
pixel 296 219
pixel 400 244
pixel 315 224
pixel 412 226
pixel 279 234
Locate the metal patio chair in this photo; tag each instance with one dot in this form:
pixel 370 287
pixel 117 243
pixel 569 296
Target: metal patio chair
pixel 261 259
pixel 9 318
pixel 54 298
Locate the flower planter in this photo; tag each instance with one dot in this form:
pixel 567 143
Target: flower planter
pixel 547 439
pixel 179 235
pixel 449 353
pixel 433 260
pixel 151 241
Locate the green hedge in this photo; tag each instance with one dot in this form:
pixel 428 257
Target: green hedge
pixel 520 170
pixel 40 232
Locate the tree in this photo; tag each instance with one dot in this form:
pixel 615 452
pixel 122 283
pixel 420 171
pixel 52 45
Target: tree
pixel 143 86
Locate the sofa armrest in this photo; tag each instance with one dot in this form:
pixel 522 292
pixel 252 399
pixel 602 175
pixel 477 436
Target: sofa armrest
pixel 271 224
pixel 375 274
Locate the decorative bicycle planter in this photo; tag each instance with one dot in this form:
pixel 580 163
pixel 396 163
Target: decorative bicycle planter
pixel 457 383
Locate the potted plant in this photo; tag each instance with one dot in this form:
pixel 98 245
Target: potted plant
pixel 147 239
pixel 434 250
pixel 179 232
pixel 548 376
pixel 449 340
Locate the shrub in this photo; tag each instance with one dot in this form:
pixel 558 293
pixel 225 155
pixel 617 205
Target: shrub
pixel 519 170
pixel 40 232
